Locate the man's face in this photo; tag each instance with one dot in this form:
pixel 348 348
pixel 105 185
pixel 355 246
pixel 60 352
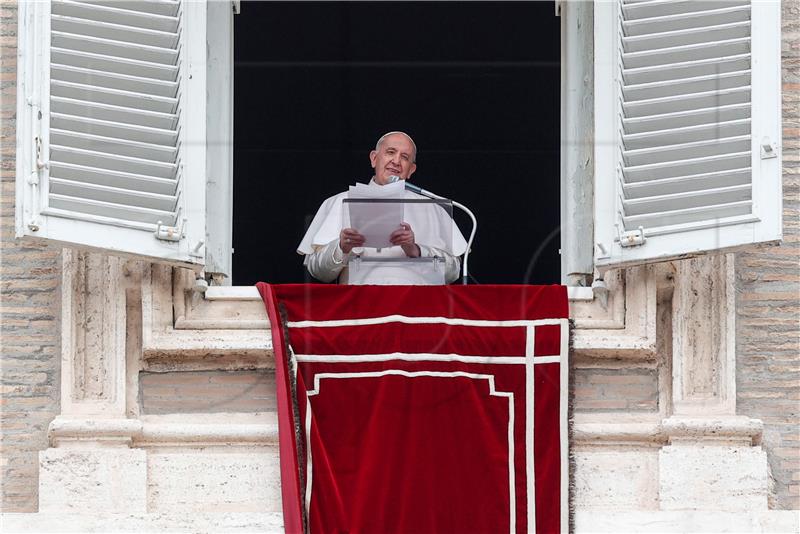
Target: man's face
pixel 395 157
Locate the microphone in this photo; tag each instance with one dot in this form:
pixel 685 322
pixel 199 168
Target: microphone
pixel 414 188
pixel 465 269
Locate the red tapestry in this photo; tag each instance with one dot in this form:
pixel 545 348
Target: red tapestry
pixel 421 408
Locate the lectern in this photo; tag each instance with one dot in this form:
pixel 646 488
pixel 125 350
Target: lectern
pixel 376 218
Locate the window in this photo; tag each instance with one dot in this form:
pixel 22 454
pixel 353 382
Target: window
pixel 476 84
pixel 118 143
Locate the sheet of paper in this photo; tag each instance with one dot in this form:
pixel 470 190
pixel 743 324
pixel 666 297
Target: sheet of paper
pixel 375 220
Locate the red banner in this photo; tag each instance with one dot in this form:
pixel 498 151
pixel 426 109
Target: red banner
pixel 421 408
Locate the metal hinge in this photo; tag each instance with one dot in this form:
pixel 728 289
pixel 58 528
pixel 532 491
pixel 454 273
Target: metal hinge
pixel 632 238
pixel 170 233
pixel 40 162
pixel 33 181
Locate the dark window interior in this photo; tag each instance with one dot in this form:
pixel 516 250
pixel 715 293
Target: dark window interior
pixel 475 84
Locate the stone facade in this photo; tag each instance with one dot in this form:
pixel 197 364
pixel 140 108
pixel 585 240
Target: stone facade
pixel 768 303
pixel 30 307
pixel 658 402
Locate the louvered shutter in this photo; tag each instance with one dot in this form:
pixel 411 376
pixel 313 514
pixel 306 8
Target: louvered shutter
pixel 687 124
pixel 111 125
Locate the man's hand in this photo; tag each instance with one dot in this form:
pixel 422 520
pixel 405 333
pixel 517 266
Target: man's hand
pixel 404 236
pixel 350 238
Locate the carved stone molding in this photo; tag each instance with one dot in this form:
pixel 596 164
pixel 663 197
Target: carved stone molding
pixel 165 431
pixel 237 308
pixel 93 335
pixel 607 313
pixel 713 460
pixel 618 434
pixel 212 334
pixel 721 430
pixel 703 336
pixel 95 432
pixel 625 326
pixel 730 430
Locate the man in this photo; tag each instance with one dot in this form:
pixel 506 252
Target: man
pixel 327 254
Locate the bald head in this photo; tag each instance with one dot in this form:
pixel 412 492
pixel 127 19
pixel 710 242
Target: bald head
pixel 408 137
pixel 394 155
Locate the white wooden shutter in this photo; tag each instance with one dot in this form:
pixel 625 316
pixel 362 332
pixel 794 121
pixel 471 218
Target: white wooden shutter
pixel 111 125
pixel 687 123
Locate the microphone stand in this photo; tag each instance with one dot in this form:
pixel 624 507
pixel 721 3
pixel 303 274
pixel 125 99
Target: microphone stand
pixel 465 271
pixel 462 207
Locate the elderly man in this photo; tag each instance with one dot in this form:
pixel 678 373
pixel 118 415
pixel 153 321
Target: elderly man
pixel 327 259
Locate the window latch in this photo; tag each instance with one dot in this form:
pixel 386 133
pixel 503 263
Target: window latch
pixel 632 238
pixel 768 149
pixel 170 233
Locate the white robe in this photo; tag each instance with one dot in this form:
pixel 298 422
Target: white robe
pixel 432 228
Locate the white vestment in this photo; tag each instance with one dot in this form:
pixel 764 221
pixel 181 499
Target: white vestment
pixel 434 231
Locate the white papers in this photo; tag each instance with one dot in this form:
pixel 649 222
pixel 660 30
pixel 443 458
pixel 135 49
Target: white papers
pixel 379 216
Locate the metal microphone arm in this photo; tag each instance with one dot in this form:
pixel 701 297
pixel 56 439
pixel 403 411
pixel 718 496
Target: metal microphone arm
pixel 462 207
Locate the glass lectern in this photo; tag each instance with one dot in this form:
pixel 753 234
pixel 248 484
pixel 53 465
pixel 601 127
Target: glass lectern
pixel 378 262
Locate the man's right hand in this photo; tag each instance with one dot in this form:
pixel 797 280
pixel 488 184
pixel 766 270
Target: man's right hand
pixel 350 238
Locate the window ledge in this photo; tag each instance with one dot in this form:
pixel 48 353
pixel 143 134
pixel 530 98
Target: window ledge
pixel 251 293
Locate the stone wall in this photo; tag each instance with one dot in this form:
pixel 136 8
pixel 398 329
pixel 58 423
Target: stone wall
pixel 246 391
pixel 29 314
pixel 603 390
pixel 768 303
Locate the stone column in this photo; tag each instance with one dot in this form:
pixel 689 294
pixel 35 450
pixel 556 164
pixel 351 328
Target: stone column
pixel 90 466
pixel 712 461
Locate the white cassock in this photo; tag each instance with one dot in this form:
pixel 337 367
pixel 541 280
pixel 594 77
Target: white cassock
pixel 434 231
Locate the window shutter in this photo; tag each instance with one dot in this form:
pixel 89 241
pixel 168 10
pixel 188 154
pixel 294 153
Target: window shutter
pixel 111 125
pixel 687 124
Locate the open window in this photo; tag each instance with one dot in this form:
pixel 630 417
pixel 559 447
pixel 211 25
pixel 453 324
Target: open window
pixel 687 126
pixel 120 148
pixel 476 84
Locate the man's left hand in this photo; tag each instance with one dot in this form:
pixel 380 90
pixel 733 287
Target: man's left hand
pixel 404 236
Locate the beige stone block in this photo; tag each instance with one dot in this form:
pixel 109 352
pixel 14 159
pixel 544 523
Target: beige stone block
pixel 93 480
pixel 202 479
pixel 616 479
pixel 713 477
pixel 706 521
pixel 266 523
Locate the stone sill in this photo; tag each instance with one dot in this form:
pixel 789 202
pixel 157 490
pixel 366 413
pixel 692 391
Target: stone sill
pixel 227 326
pixel 707 521
pixel 251 293
pixel 673 430
pixel 262 429
pixel 645 521
pixel 181 430
pixel 267 522
pixel 229 321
